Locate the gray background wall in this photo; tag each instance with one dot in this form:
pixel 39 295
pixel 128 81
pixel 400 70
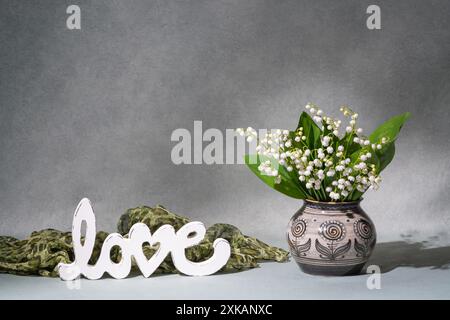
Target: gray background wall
pixel 90 112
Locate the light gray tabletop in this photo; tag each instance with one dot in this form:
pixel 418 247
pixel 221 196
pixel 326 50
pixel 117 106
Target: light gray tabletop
pixel 409 271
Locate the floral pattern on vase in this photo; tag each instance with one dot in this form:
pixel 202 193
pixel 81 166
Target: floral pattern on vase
pixel 331 238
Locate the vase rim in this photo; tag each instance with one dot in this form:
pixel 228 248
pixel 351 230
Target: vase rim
pixel 332 202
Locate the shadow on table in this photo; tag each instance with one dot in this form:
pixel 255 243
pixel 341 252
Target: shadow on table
pixel 390 255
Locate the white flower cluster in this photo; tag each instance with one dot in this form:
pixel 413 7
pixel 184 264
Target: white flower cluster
pixel 272 145
pixel 250 133
pixel 326 173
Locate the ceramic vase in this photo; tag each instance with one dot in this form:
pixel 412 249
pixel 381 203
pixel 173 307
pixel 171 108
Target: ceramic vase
pixel 331 238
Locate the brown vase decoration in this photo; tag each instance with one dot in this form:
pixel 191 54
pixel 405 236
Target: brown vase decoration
pixel 330 234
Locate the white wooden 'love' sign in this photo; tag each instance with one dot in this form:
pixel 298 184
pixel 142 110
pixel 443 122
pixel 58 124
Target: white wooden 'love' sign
pixel 169 241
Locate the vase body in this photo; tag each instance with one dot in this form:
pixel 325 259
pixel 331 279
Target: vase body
pixel 333 239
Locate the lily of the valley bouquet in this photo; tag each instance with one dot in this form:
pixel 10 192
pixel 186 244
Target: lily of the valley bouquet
pixel 321 159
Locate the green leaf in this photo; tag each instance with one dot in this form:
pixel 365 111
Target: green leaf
pixel 385 155
pixel 390 128
pixel 311 130
pixel 350 146
pixel 356 195
pixel 287 186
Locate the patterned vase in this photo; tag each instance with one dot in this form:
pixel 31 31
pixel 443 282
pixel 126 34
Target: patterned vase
pixel 334 239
